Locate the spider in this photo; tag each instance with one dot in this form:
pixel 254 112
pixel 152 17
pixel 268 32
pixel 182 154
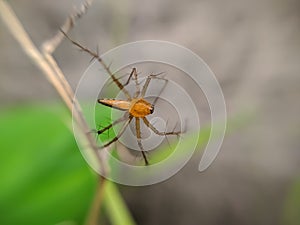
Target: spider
pixel 136 107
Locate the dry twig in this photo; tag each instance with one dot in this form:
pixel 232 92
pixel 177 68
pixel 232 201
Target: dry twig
pixel 50 45
pixel 45 61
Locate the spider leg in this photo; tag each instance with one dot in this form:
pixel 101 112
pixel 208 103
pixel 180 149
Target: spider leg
pixel 133 72
pixel 112 124
pixel 137 85
pixel 164 133
pixel 147 82
pixel 120 132
pixel 96 56
pixel 119 78
pixel 162 89
pixel 125 75
pixel 138 135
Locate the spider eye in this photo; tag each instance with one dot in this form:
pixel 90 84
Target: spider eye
pixel 152 109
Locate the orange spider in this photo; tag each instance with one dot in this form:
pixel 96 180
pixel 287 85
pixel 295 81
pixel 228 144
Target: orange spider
pixel 135 107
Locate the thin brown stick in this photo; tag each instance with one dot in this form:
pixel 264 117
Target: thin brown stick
pixel 45 61
pixel 50 45
pixel 52 72
pixel 94 213
pixel 18 32
pixel 48 48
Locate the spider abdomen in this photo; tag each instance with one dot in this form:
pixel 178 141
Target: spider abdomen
pixel 117 104
pixel 140 108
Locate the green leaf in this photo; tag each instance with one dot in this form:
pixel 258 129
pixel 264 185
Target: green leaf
pixel 44 178
pixel 291 208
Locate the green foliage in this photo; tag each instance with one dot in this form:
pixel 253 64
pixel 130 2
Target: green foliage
pixel 291 215
pixel 44 178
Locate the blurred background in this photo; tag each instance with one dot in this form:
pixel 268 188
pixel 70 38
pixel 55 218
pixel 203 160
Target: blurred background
pixel 253 47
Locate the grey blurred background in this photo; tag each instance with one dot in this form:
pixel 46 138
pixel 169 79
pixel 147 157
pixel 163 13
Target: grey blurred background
pixel 254 49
